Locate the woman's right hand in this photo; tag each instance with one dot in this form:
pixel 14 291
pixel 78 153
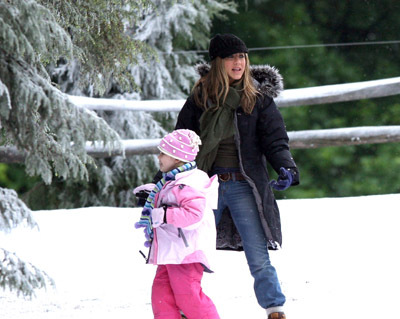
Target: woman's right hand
pixel 144 188
pixel 142 192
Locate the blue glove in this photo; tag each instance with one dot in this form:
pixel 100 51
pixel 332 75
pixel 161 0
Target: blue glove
pixel 284 181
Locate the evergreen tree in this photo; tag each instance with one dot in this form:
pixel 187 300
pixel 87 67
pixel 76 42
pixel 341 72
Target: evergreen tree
pixel 103 47
pixel 36 117
pixel 16 274
pixel 172 26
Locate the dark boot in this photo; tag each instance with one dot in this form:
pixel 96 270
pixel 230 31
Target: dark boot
pixel 277 315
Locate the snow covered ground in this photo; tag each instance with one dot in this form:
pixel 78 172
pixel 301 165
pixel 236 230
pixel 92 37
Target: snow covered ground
pixel 339 260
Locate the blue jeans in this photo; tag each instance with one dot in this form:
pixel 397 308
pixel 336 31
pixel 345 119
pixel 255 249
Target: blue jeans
pixel 239 198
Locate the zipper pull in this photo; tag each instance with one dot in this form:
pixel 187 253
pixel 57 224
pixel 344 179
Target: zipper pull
pixel 182 235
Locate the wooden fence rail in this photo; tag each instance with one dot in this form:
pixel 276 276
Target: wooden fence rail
pixel 291 97
pixel 344 136
pixel 294 97
pixel 298 140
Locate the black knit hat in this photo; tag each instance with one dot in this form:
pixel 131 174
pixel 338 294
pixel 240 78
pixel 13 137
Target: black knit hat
pixel 224 45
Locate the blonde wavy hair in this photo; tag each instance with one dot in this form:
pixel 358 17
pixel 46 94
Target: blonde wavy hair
pixel 215 86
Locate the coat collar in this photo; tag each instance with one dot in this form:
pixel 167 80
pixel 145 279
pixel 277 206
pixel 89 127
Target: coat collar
pixel 267 79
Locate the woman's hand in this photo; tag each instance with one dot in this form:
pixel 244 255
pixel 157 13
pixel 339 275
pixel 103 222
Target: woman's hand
pixel 142 192
pixel 284 181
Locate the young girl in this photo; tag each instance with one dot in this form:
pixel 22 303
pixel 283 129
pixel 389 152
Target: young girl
pixel 180 228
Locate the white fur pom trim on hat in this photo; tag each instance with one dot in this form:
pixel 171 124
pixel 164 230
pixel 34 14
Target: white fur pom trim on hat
pixel 194 139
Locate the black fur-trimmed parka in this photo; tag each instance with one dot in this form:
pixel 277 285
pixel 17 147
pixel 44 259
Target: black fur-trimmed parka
pixel 260 137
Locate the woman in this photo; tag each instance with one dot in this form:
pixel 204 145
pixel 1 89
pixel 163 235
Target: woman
pixel 232 109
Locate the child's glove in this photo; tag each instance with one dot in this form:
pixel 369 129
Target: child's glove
pixel 284 181
pixel 142 192
pixel 158 216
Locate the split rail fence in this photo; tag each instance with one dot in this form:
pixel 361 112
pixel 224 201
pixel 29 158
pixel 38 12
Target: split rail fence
pixel 289 98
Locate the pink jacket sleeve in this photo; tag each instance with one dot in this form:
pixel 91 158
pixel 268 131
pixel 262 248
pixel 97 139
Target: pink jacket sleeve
pixel 191 204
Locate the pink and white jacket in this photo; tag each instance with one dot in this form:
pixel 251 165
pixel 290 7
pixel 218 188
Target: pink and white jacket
pixel 189 235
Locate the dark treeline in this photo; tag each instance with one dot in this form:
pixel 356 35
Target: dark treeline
pixel 330 171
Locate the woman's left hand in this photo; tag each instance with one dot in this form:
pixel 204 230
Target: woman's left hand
pixel 284 181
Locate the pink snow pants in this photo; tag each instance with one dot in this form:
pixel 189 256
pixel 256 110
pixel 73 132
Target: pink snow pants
pixel 178 287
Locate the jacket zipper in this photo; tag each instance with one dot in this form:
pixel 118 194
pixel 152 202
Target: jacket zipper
pixel 250 181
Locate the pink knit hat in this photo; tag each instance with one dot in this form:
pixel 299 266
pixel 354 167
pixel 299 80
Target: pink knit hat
pixel 181 144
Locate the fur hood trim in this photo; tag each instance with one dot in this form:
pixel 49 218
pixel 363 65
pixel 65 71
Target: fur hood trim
pixel 267 79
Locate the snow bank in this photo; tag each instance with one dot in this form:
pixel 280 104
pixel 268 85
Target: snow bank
pixel 339 259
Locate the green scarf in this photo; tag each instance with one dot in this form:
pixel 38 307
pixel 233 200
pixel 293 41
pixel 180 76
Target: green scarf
pixel 217 124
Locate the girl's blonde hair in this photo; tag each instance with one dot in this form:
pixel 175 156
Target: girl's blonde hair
pixel 215 86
